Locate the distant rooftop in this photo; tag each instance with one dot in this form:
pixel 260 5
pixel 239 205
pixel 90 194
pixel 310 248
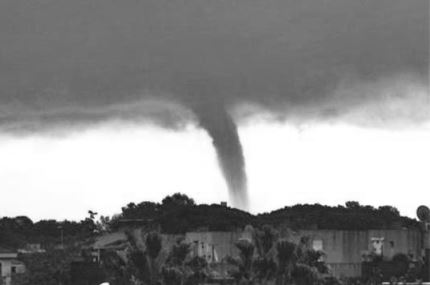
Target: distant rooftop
pixel 137 221
pixel 8 253
pixel 5 250
pixel 110 240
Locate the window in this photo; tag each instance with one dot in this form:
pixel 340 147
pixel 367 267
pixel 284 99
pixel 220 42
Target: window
pixel 317 244
pixel 377 244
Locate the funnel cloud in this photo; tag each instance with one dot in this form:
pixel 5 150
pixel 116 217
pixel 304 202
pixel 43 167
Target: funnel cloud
pixel 225 138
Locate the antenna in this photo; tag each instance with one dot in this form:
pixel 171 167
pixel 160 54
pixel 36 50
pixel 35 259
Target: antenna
pixel 423 213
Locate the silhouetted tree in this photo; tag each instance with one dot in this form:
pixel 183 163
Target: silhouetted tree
pixel 177 199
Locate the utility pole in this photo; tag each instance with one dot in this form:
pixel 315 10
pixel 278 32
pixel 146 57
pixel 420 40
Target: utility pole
pixel 62 236
pixel 423 213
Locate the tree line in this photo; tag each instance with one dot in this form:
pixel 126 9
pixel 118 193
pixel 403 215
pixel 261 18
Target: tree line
pixel 178 214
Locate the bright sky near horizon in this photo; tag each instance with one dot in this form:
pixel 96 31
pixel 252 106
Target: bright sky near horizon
pixel 106 167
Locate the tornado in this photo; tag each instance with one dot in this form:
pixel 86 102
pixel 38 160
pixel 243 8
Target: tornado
pixel 222 129
pixel 152 61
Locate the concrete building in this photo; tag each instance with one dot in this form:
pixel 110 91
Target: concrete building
pixel 344 250
pixel 214 246
pixel 9 265
pixel 31 248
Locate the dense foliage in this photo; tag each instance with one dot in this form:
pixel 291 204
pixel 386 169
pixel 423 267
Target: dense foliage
pixel 264 258
pixel 19 231
pixel 178 214
pixel 352 216
pixel 48 268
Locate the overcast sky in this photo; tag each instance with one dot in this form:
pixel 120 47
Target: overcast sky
pixel 106 167
pixel 105 102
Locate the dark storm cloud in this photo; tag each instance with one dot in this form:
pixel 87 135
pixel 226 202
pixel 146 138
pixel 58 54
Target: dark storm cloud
pixel 284 55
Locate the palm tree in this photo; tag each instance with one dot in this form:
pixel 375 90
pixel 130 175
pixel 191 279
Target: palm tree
pixel 198 271
pixel 153 248
pixel 175 270
pixel 265 239
pixel 303 274
pixel 287 257
pixel 179 253
pixel 172 275
pixel 244 262
pixel 298 264
pixel 115 268
pixel 143 263
pixel 280 259
pixel 313 258
pixel 264 265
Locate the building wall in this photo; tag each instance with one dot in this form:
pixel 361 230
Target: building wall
pixel 222 244
pixel 6 271
pixel 344 249
pixel 10 267
pixel 349 246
